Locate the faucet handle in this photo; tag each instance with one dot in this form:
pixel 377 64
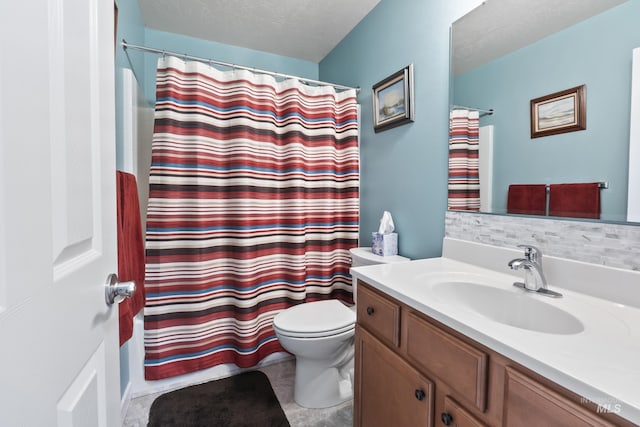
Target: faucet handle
pixel 532 253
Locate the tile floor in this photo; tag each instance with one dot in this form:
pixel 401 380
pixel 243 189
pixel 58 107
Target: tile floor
pixel 281 375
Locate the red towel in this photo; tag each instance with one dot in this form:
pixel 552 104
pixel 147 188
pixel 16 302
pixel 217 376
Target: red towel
pixel 575 200
pixel 527 199
pixel 131 263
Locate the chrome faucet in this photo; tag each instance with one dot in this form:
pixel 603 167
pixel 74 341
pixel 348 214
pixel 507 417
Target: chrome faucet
pixel 534 279
pixel 532 262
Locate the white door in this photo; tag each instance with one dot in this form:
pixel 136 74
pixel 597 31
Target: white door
pixel 58 339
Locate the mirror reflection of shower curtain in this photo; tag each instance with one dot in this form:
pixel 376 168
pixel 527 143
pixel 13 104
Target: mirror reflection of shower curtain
pixel 464 180
pixel 253 207
pixel 486 168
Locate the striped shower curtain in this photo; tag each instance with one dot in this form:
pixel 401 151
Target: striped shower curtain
pixel 254 198
pixel 464 179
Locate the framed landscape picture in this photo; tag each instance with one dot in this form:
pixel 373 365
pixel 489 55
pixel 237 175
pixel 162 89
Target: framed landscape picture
pixel 559 112
pixel 393 100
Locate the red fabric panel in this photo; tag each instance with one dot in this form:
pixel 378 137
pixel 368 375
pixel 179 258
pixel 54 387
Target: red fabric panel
pixel 575 200
pixel 527 199
pixel 131 263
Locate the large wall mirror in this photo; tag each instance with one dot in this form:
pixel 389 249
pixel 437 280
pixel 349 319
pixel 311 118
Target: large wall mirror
pixel 506 53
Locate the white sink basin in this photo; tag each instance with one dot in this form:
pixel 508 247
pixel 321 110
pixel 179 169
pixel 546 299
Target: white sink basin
pixel 513 308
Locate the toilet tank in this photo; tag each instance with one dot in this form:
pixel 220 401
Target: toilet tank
pixel 363 256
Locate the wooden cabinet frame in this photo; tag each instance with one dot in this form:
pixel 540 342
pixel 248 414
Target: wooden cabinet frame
pixel 489 389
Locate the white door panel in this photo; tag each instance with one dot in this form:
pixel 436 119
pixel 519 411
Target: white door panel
pixel 58 338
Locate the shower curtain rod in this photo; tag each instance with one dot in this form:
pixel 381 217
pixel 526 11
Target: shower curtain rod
pixel 488 112
pixel 125 45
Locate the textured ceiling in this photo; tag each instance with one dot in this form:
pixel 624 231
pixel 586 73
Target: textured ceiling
pixel 498 27
pixel 303 29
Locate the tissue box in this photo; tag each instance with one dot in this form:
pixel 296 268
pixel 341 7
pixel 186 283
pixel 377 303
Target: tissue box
pixel 384 244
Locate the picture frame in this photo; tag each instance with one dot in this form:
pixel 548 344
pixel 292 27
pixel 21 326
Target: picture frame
pixel 393 100
pixel 559 112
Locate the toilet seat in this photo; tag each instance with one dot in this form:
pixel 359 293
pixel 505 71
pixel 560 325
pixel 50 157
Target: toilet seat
pixel 315 319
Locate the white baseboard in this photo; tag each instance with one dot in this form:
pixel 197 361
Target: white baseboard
pixel 125 400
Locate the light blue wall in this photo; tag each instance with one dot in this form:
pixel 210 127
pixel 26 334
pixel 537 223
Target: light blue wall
pixel 403 170
pixel 221 52
pixel 596 52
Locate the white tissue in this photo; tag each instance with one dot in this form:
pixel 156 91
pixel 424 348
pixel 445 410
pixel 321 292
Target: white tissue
pixel 386 223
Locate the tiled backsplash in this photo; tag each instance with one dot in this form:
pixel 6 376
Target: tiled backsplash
pixel 613 245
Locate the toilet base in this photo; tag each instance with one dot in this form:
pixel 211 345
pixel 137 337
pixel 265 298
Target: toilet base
pixel 318 386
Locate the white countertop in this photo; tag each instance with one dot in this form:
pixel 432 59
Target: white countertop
pixel 601 363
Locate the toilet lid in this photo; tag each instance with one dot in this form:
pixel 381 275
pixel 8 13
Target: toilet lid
pixel 315 319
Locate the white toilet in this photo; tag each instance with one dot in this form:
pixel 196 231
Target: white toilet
pixel 321 335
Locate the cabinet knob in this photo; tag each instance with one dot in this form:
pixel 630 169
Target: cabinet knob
pixel 419 394
pixel 446 418
pixel 370 310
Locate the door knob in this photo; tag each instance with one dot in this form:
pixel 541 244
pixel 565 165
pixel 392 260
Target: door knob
pixel 115 292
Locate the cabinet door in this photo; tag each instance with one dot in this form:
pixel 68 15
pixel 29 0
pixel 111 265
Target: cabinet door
pixel 530 404
pixel 389 392
pixel 456 416
pixel 458 364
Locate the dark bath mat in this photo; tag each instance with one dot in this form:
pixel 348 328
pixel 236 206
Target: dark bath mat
pixel 242 400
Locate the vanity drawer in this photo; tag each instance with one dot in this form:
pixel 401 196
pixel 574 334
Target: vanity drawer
pixel 458 364
pixel 378 314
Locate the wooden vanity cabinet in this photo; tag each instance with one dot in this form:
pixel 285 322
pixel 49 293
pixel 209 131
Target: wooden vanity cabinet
pixel 411 370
